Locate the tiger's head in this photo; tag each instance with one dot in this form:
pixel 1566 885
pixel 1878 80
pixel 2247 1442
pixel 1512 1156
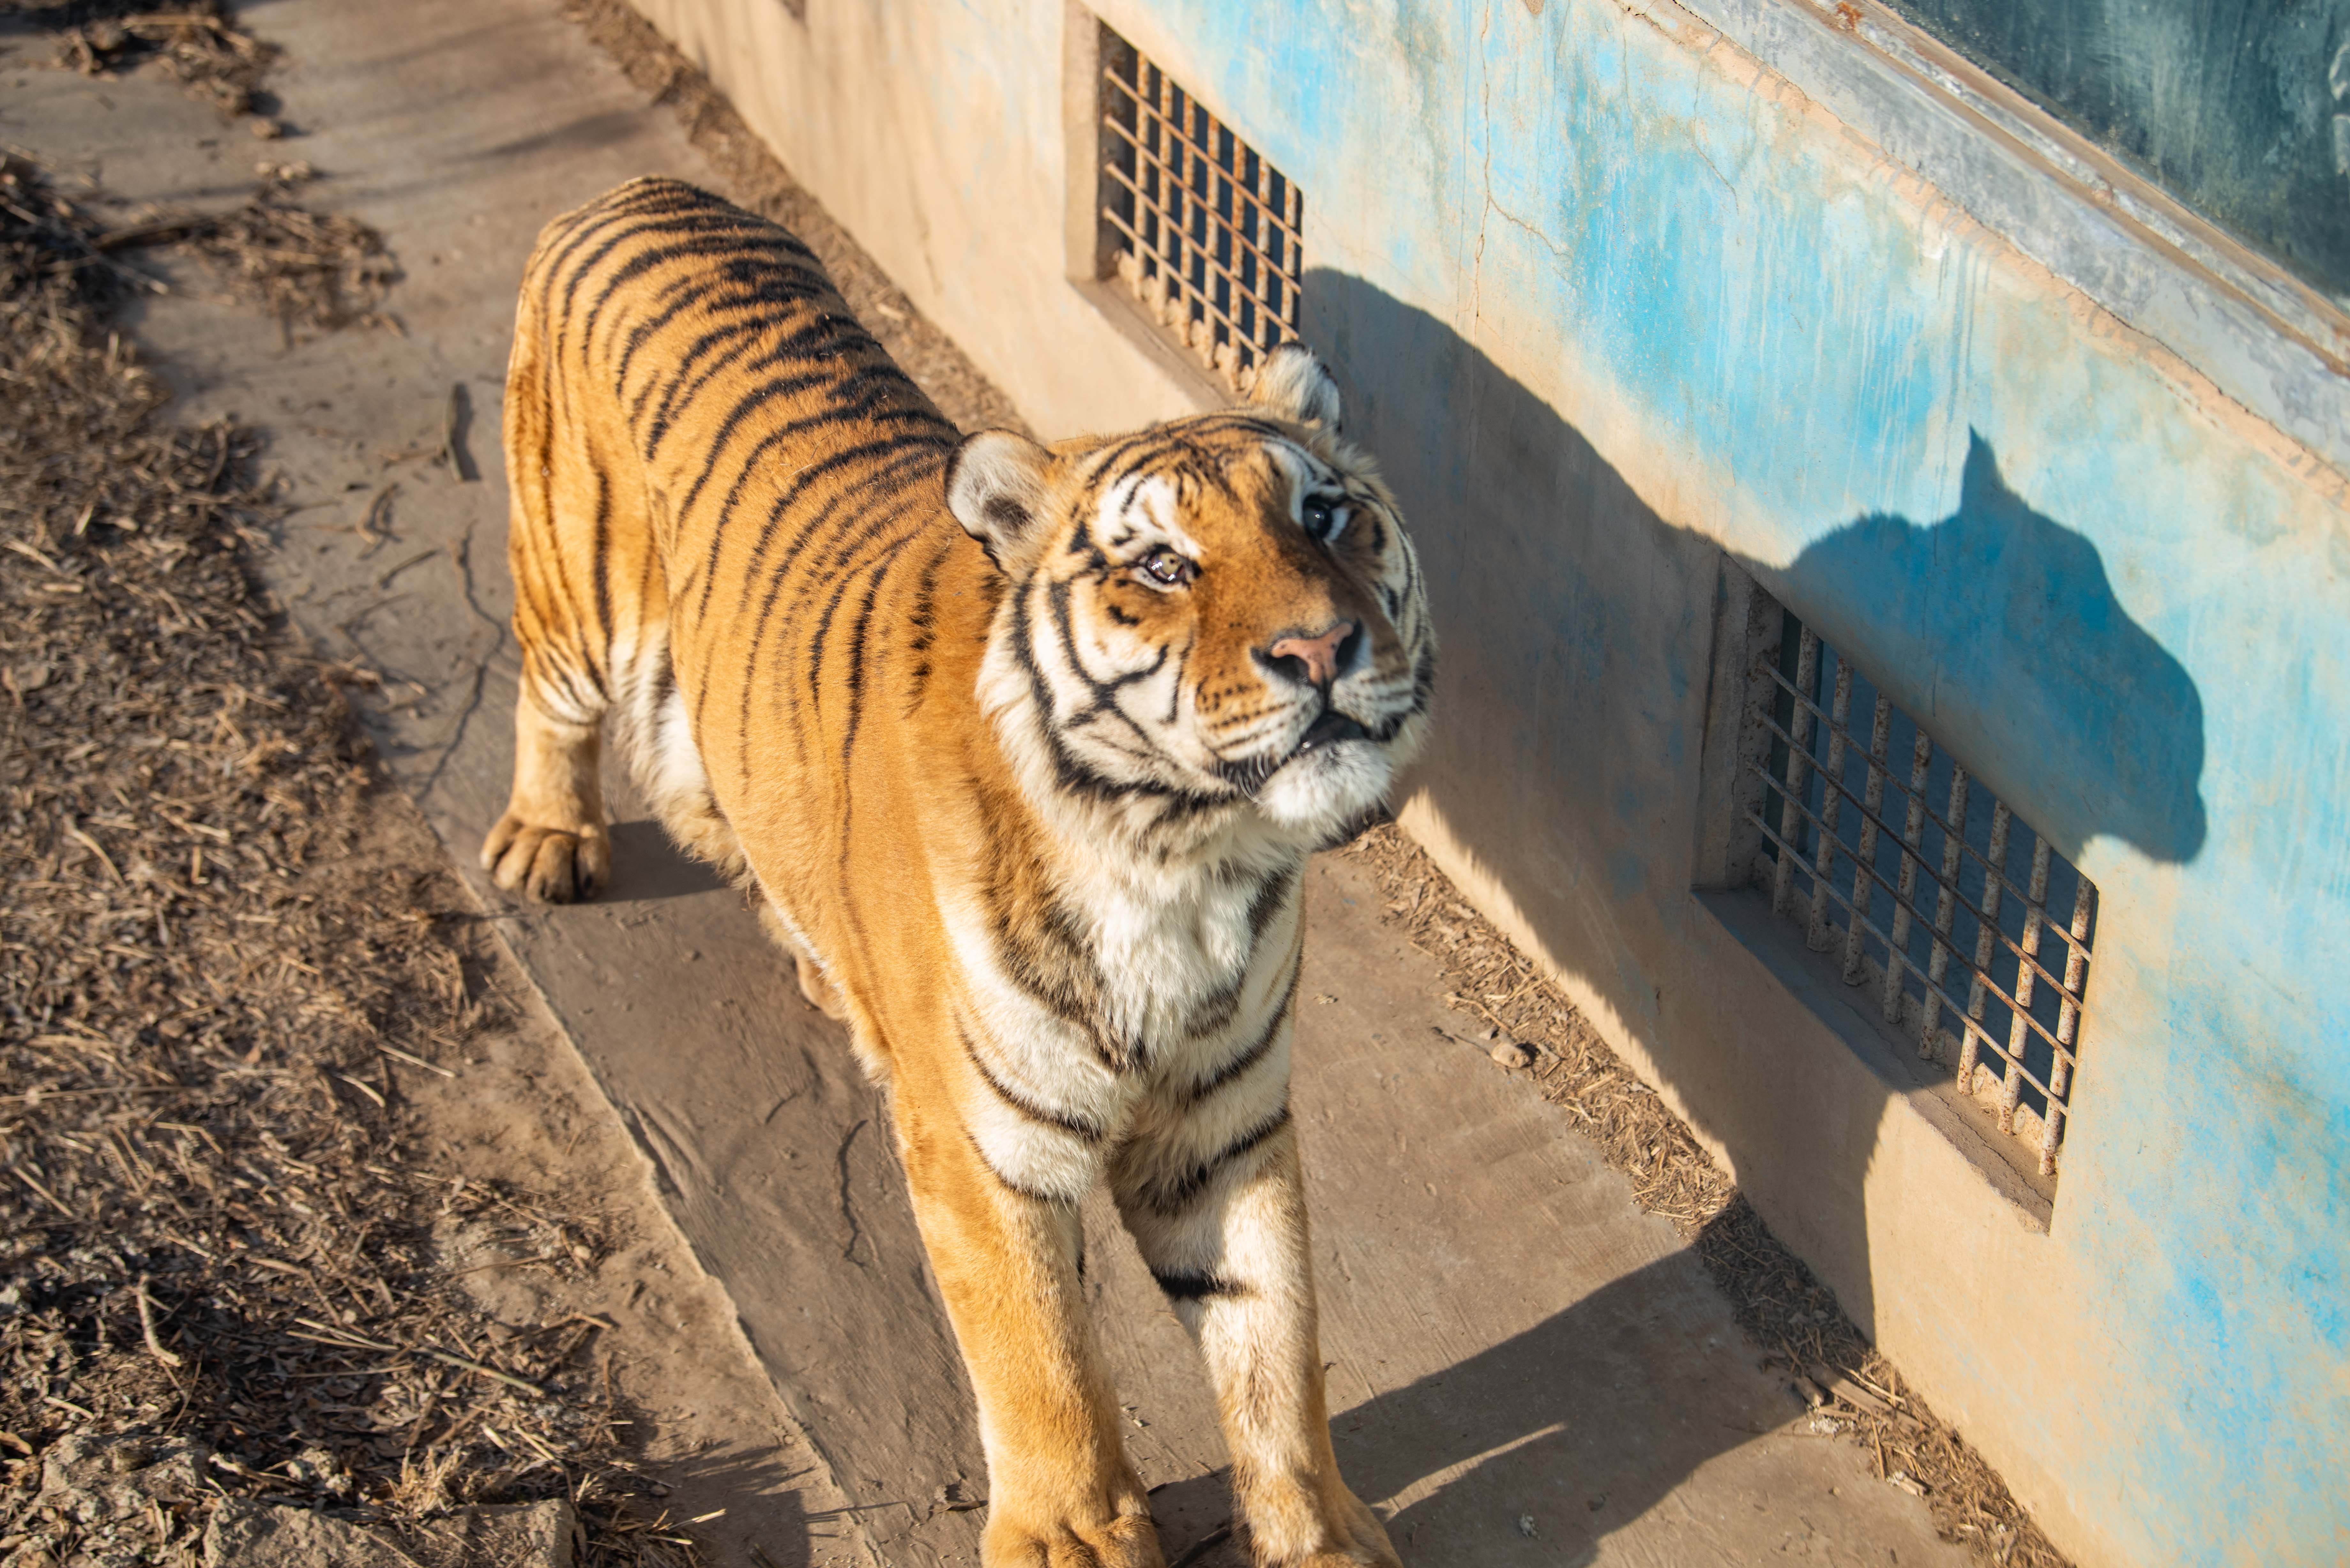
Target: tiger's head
pixel 1214 616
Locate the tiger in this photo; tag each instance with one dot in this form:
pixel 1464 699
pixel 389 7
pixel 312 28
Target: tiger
pixel 1020 750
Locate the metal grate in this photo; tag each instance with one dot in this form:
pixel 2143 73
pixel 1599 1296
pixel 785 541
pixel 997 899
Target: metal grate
pixel 1202 230
pixel 1921 883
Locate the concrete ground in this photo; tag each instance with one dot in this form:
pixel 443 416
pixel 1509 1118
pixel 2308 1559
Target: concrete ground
pixel 1526 1368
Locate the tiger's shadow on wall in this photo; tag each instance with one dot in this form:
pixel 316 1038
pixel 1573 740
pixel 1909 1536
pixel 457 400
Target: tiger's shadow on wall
pixel 2018 649
pixel 1563 599
pixel 1577 629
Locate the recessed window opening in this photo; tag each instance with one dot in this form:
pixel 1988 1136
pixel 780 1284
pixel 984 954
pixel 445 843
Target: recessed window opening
pixel 1970 932
pixel 1202 230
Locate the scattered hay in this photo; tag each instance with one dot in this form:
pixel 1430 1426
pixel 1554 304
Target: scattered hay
pixel 1778 1304
pixel 311 272
pixel 315 272
pixel 197 41
pixel 74 442
pixel 318 271
pixel 307 271
pixel 219 1219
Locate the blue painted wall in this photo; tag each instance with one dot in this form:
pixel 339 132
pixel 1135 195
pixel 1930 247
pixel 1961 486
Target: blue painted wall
pixel 1607 303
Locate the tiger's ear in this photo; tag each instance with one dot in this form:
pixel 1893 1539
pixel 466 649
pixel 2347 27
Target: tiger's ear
pixel 1292 384
pixel 996 485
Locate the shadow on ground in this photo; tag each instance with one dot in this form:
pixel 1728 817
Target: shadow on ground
pixel 646 868
pixel 1533 1451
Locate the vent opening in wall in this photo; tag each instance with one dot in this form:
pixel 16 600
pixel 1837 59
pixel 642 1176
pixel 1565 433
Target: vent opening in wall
pixel 1202 231
pixel 1964 927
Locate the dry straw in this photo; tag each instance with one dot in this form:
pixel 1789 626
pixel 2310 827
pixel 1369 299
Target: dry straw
pixel 219 1218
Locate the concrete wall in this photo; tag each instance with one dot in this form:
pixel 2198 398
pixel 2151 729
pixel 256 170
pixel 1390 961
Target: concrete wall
pixel 1628 316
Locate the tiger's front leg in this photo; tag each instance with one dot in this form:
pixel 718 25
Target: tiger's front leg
pixel 1060 1491
pixel 1224 1234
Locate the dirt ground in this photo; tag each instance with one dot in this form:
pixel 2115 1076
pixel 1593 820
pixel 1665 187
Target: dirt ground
pixel 300 1180
pixel 298 1166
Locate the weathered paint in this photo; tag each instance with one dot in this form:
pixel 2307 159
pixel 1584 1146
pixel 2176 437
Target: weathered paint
pixel 1610 300
pixel 2124 609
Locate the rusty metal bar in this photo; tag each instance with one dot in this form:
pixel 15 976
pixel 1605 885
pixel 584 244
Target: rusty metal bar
pixel 1979 979
pixel 1175 147
pixel 2036 915
pixel 1986 928
pixel 1945 909
pixel 1166 150
pixel 1872 805
pixel 2006 942
pixel 1975 1032
pixel 1144 202
pixel 1283 275
pixel 1913 834
pixel 1822 936
pixel 2076 964
pixel 1997 1046
pixel 1208 305
pixel 1799 757
pixel 1123 227
pixel 1981 1035
pixel 1266 203
pixel 2068 1025
pixel 1169 133
pixel 2013 887
pixel 1200 256
pixel 1195 288
pixel 1991 871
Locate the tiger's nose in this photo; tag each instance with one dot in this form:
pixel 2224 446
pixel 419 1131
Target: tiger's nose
pixel 1315 660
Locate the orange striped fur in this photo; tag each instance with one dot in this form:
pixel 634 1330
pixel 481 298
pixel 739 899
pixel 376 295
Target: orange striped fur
pixel 1023 750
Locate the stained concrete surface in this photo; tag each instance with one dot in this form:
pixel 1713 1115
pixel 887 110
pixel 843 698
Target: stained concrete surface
pixel 1524 1368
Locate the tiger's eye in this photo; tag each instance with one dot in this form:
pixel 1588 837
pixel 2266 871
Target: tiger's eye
pixel 1324 516
pixel 1164 565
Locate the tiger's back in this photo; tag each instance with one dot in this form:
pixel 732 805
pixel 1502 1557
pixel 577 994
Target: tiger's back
pixel 758 484
pixel 1020 749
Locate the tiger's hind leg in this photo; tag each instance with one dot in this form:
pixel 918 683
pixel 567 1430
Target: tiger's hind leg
pixel 815 984
pixel 552 843
pixel 654 733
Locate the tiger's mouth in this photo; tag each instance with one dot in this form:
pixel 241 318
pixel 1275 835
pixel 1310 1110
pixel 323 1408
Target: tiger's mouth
pixel 1252 774
pixel 1328 730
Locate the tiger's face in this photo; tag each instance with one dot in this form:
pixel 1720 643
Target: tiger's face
pixel 1221 612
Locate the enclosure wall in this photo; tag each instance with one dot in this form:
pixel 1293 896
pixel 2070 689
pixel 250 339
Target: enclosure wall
pixel 1631 320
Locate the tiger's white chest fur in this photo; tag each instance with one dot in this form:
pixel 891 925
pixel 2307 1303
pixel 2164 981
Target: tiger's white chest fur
pixel 1163 951
pixel 1188 972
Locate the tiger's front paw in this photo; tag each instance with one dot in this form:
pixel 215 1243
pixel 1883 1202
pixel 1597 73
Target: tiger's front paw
pixel 552 865
pixel 1348 1535
pixel 1364 1554
pixel 1122 1541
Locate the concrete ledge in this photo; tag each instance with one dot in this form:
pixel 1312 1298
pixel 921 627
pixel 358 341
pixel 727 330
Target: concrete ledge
pixel 1923 1088
pixel 2263 337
